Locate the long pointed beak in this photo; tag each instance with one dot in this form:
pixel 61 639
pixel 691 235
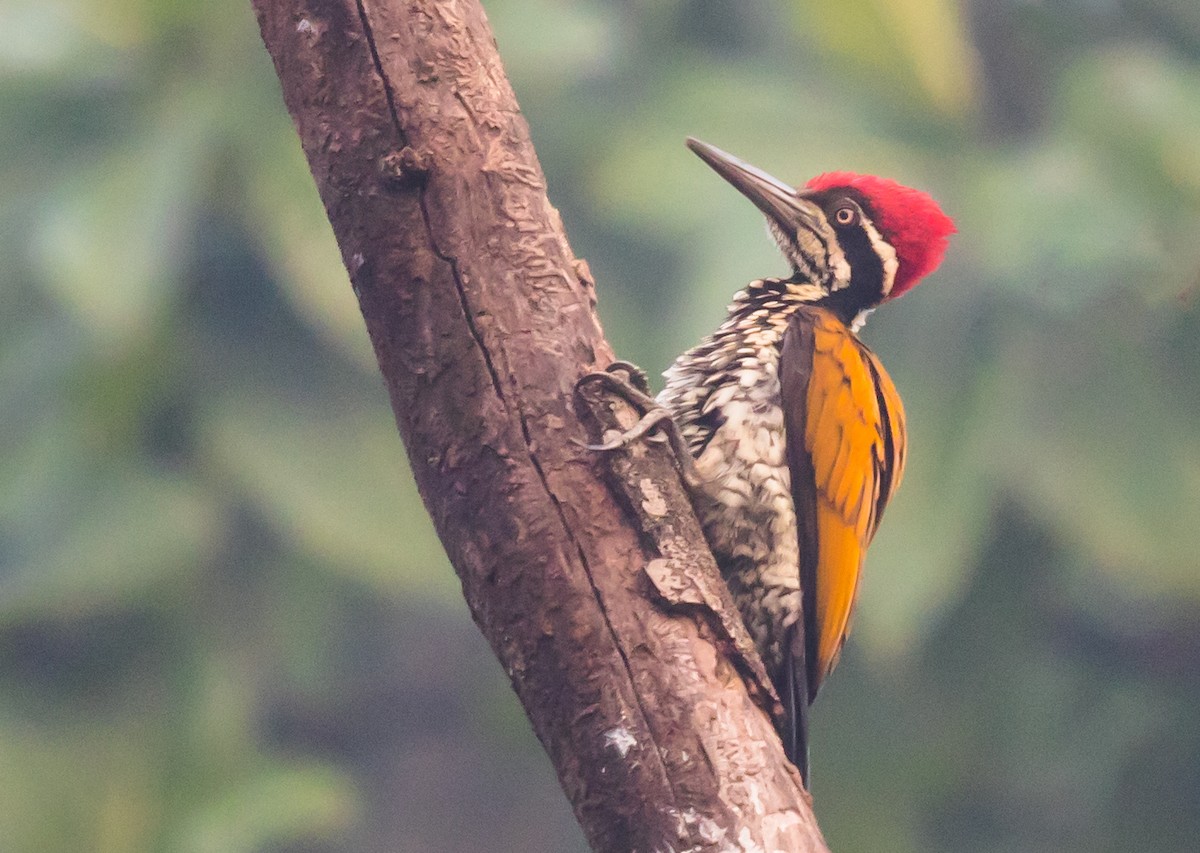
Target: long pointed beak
pixel 788 207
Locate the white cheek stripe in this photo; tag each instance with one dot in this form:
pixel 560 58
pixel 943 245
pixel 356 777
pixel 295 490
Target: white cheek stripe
pixel 838 265
pixel 886 253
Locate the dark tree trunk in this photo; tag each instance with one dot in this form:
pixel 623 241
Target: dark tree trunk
pixel 607 614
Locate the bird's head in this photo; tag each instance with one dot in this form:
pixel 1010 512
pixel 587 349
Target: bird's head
pixel 862 239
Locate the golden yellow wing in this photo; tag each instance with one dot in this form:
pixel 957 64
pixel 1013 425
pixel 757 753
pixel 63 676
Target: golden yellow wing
pixel 841 404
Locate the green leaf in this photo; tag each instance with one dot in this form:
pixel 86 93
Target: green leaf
pixel 335 484
pixel 280 806
pixel 1101 449
pixel 1154 149
pixel 111 237
pixel 127 531
pixel 1041 222
pixel 79 782
pixel 548 45
pixel 918 49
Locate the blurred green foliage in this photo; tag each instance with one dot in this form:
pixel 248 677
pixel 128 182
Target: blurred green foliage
pixel 225 624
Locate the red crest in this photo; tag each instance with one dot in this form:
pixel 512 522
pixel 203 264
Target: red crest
pixel 909 220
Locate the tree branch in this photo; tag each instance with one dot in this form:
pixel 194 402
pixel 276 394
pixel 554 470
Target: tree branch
pixel 610 620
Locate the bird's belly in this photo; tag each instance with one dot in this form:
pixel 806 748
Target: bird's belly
pixel 745 506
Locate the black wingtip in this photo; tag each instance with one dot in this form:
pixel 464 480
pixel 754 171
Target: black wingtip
pixel 795 703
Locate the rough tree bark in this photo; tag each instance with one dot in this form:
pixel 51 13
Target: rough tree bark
pixel 607 614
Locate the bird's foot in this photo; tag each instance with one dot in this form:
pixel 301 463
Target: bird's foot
pixel 656 423
pixel 634 388
pixel 637 377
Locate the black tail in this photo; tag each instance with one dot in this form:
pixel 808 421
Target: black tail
pixel 793 688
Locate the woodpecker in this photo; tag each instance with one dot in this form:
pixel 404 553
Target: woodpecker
pixel 791 433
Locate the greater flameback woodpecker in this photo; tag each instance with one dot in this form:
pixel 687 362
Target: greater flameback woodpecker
pixel 791 433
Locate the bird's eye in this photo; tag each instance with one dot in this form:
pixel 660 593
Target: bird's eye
pixel 845 215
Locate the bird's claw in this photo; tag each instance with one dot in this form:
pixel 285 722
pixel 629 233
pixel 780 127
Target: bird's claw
pixel 649 421
pixel 637 377
pixel 633 391
pixel 656 423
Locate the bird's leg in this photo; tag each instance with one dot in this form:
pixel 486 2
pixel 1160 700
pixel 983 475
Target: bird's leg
pixel 635 390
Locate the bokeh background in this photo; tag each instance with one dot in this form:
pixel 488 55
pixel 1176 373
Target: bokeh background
pixel 225 623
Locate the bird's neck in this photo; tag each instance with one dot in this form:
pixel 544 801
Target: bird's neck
pixel 762 310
